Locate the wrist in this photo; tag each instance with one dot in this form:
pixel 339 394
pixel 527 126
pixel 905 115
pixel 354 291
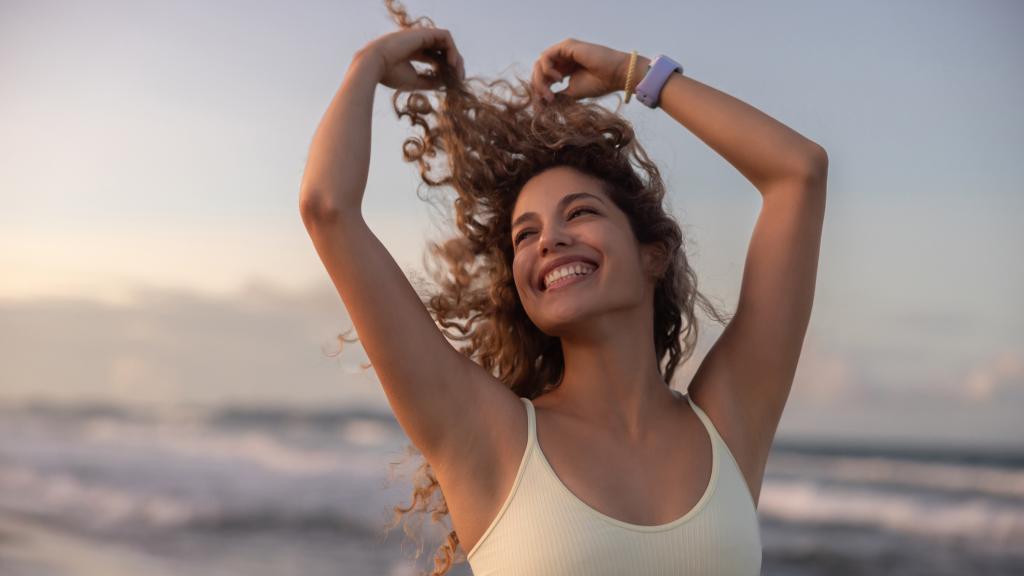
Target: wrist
pixel 368 62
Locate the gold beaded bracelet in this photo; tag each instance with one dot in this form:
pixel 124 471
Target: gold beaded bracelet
pixel 629 75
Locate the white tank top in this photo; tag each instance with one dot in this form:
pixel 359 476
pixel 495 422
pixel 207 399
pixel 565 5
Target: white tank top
pixel 543 529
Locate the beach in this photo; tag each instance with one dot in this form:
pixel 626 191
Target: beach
pixel 108 490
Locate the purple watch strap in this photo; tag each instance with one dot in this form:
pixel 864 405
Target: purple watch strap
pixel 649 89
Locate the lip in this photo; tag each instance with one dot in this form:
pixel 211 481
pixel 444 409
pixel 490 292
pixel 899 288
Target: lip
pixel 560 262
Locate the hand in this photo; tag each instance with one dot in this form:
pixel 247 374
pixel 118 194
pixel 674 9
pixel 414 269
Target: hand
pixel 393 53
pixel 593 70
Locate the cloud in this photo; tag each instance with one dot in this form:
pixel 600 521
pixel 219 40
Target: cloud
pixel 260 345
pixel 994 377
pixel 823 376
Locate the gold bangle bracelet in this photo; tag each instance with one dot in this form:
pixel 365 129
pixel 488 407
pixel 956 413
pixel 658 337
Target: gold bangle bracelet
pixel 629 75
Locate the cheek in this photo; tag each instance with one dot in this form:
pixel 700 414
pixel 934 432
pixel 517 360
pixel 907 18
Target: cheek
pixel 524 279
pixel 520 276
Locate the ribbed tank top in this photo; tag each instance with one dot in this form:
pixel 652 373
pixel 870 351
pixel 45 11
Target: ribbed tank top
pixel 543 529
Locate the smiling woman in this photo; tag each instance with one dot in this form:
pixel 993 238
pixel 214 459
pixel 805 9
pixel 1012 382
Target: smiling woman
pixel 568 285
pixel 562 179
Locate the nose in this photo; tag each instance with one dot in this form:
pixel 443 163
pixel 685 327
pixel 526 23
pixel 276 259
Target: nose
pixel 552 237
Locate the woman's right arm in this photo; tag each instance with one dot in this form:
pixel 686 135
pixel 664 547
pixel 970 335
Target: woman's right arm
pixel 451 408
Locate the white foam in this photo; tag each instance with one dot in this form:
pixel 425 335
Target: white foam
pixel 976 519
pixel 367 432
pixel 943 476
pixel 27 490
pixel 255 447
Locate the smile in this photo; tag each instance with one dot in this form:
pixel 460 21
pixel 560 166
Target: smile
pixel 568 281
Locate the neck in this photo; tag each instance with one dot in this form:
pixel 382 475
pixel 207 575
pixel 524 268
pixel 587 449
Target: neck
pixel 612 383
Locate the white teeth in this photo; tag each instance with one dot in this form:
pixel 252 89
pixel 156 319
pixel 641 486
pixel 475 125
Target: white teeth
pixel 569 269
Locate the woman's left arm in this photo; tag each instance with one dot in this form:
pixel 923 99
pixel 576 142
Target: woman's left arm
pixel 763 149
pixel 751 367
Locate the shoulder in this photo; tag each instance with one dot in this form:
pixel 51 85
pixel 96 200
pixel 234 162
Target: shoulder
pixel 710 391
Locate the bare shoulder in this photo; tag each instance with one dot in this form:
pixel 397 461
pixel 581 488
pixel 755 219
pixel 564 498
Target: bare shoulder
pixel 710 390
pixel 477 439
pixel 477 463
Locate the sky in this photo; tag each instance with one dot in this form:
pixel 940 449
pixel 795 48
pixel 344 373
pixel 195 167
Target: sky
pixel 151 250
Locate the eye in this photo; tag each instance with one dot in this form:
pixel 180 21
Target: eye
pixel 572 214
pixel 581 209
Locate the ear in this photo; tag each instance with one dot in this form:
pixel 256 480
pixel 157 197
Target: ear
pixel 655 259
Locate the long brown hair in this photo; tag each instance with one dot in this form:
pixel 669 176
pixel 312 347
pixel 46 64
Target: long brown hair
pixel 492 146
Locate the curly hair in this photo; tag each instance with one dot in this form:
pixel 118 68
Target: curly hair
pixel 493 146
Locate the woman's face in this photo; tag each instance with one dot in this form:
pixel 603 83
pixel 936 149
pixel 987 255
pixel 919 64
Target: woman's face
pixel 560 213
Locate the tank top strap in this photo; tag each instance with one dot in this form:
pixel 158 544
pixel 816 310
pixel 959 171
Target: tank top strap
pixel 531 423
pixel 708 424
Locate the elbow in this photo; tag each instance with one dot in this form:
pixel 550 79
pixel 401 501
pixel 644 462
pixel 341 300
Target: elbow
pixel 320 211
pixel 315 207
pixel 813 165
pixel 818 163
pixel 806 163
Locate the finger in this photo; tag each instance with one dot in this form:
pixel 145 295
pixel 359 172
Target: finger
pixel 535 104
pixel 432 41
pixel 536 99
pixel 562 56
pixel 449 44
pixel 550 75
pixel 427 56
pixel 453 54
pixel 539 82
pixel 548 71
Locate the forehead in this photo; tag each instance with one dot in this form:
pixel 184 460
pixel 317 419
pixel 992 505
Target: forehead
pixel 553 187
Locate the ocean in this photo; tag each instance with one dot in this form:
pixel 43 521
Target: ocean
pixel 105 490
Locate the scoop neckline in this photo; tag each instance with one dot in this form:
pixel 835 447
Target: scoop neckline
pixel 688 515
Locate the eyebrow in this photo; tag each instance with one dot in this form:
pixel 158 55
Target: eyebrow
pixel 561 203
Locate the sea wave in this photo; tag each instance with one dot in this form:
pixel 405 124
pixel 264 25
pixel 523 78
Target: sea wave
pixel 887 471
pixel 99 508
pixel 977 519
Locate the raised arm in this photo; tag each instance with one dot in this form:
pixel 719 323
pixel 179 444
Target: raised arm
pixel 746 377
pixel 440 397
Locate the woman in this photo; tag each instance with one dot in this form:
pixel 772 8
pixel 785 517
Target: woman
pixel 554 435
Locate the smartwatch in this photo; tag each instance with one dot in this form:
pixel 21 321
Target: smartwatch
pixel 648 90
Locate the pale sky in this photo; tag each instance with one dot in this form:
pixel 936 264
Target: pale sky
pixel 151 248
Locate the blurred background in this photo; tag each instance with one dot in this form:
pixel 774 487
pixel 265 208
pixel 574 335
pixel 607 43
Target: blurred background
pixel 169 401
